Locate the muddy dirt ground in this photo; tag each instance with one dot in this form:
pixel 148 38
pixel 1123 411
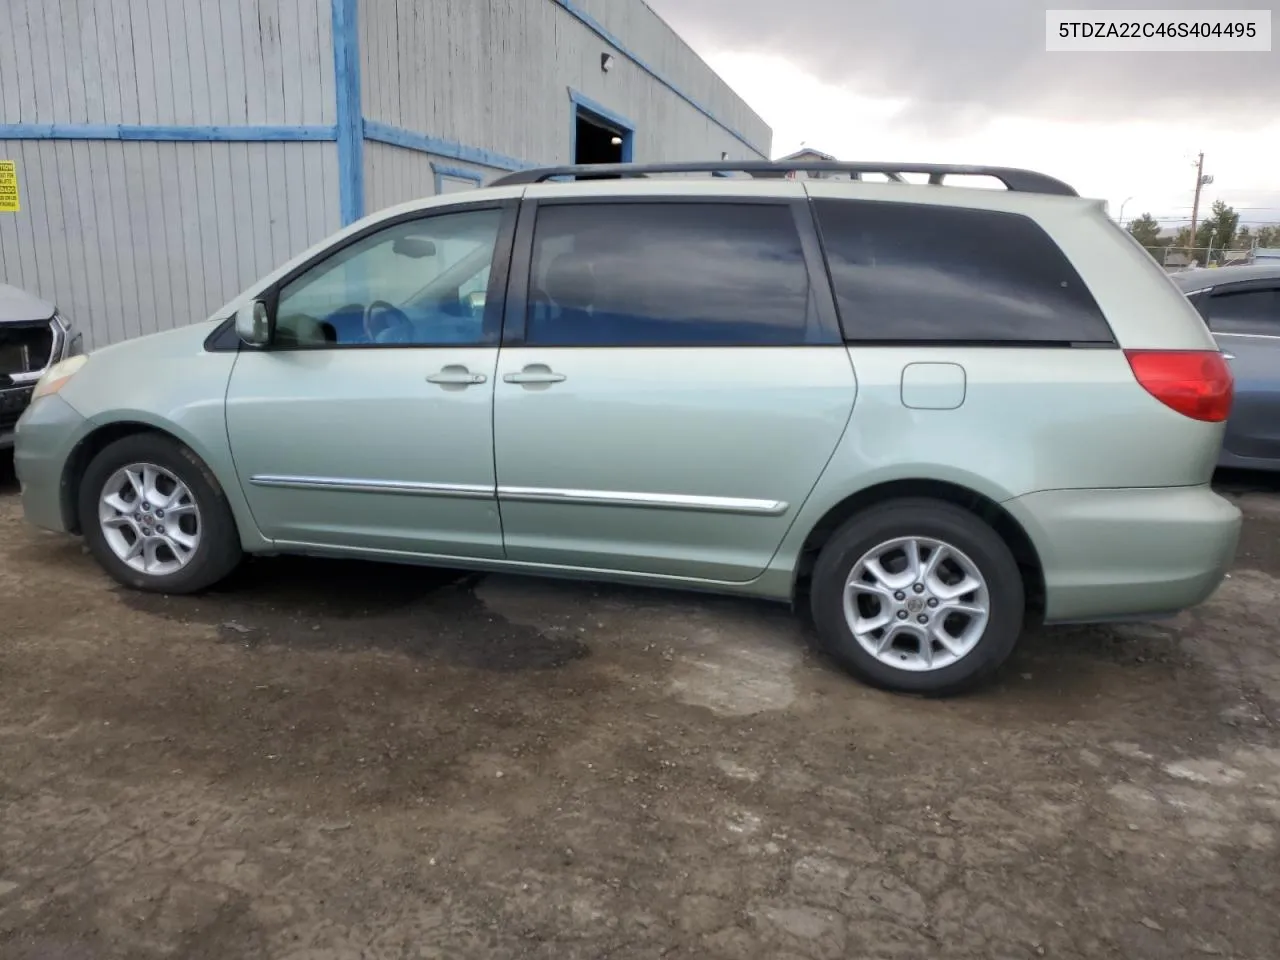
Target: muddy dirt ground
pixel 333 760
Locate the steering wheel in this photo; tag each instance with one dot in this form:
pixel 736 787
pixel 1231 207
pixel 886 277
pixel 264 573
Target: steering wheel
pixel 380 317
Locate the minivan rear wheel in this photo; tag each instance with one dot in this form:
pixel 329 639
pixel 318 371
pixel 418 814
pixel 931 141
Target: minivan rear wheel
pixel 918 596
pixel 155 518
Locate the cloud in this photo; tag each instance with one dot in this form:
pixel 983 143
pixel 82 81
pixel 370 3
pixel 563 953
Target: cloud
pixel 1138 164
pixel 957 63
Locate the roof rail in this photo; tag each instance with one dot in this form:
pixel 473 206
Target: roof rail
pixel 1023 181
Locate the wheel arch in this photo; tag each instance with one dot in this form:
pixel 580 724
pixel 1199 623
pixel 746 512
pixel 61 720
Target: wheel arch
pixel 980 505
pixel 106 432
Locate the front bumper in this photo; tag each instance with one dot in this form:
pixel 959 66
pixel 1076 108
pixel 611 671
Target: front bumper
pixel 47 434
pixel 1128 553
pixel 13 401
pixel 16 386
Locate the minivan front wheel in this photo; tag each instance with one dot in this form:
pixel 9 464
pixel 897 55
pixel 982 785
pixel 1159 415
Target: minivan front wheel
pixel 918 596
pixel 155 518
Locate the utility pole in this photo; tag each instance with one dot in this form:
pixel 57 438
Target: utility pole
pixel 1195 204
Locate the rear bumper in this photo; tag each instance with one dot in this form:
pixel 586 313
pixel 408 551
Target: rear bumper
pixel 47 434
pixel 1141 552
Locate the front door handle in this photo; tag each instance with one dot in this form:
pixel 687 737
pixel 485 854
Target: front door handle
pixel 456 375
pixel 534 373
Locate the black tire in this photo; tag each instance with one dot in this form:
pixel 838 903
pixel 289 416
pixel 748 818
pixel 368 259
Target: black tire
pixel 218 552
pixel 936 520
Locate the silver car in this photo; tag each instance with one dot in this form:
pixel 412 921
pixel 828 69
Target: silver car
pixel 33 337
pixel 1241 305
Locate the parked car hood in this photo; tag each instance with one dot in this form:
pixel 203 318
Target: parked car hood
pixel 18 306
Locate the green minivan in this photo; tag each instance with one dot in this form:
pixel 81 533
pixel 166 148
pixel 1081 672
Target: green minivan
pixel 929 414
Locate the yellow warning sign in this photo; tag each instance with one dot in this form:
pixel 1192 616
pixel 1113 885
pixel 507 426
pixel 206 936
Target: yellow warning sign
pixel 9 202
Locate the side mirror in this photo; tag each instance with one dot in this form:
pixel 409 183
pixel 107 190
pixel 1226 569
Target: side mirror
pixel 253 324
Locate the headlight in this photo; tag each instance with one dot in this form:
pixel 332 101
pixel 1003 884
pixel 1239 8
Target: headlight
pixel 70 340
pixel 56 377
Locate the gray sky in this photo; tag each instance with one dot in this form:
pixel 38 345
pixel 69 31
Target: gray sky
pixel 971 82
pixel 960 59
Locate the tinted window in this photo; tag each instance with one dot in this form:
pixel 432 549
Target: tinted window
pixel 669 274
pixel 419 282
pixel 916 272
pixel 1250 311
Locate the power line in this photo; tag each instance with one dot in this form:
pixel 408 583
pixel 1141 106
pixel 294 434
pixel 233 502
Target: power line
pixel 1241 220
pixel 1167 224
pixel 1237 208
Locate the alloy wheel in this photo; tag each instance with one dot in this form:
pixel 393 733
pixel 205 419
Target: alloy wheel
pixel 149 519
pixel 916 603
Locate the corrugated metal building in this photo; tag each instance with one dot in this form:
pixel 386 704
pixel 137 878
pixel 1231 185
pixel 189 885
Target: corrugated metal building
pixel 171 151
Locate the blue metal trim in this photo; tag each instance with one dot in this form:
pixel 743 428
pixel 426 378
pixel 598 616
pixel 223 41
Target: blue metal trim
pixel 602 113
pixel 607 118
pixel 410 140
pixel 227 133
pixel 346 74
pixel 599 29
pixel 442 170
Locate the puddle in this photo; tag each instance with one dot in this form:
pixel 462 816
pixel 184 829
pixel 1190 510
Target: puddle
pixel 311 604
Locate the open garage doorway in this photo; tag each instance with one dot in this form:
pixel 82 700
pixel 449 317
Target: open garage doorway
pixel 598 134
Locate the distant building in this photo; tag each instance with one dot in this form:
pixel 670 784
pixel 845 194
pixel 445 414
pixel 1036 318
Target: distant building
pixel 809 155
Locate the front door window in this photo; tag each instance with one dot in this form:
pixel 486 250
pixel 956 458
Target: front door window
pixel 419 282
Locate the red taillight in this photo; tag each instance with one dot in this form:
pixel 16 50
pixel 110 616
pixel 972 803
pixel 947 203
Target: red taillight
pixel 1196 383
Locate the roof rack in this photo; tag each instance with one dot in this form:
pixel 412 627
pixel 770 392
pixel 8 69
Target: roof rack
pixel 1023 181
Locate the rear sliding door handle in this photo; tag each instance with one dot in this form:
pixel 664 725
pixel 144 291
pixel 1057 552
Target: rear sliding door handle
pixel 534 373
pixel 1228 356
pixel 456 375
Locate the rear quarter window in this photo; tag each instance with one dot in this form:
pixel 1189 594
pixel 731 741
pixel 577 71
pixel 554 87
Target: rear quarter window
pixel 906 272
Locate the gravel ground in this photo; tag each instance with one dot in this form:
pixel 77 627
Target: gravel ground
pixel 340 760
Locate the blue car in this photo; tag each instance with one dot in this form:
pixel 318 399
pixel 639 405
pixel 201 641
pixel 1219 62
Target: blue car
pixel 1241 305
